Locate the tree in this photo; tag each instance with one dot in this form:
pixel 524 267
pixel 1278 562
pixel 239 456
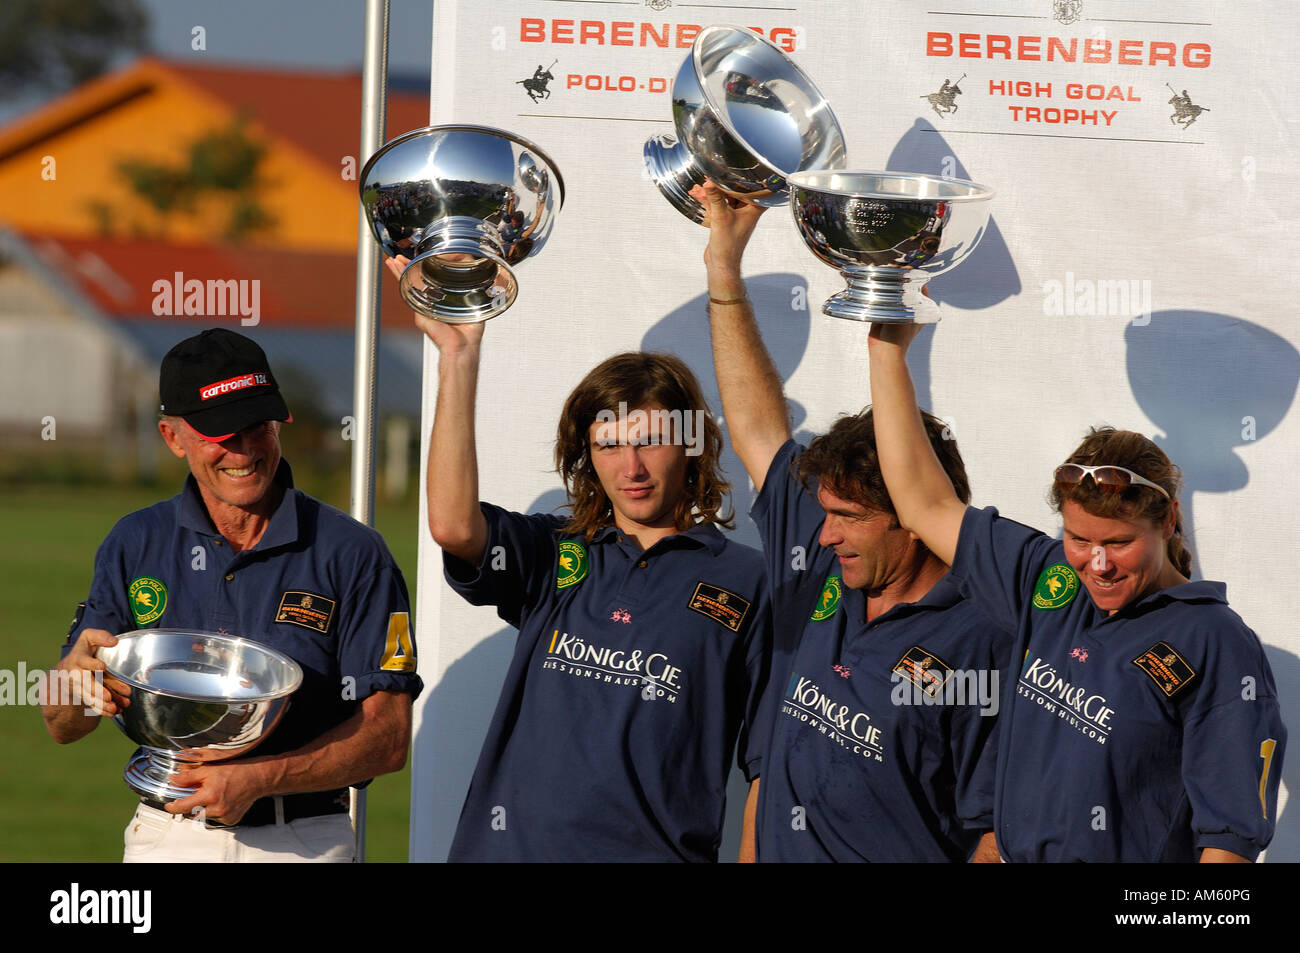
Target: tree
pixel 223 161
pixel 56 44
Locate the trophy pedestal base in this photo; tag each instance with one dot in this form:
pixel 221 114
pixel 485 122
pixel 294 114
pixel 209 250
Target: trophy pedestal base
pixel 884 295
pixel 672 168
pixel 459 282
pixel 148 774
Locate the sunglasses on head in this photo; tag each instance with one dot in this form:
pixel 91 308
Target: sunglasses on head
pixel 1105 475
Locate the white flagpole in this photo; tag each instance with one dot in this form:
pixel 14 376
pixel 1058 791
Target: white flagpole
pixel 374 98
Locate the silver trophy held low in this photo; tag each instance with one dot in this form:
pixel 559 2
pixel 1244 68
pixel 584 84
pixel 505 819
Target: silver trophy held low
pixel 466 204
pixel 196 697
pixel 746 117
pixel 888 233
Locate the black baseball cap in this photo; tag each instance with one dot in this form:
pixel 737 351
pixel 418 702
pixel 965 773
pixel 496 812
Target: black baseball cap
pixel 220 383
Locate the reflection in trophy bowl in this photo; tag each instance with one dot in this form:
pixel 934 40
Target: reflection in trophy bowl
pixel 532 175
pixel 747 117
pixel 466 204
pixel 210 696
pixel 888 233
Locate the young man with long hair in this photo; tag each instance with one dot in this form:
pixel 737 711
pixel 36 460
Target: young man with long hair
pixel 643 630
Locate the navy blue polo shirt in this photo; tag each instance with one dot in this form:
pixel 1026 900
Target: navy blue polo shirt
pixel 633 676
pixel 318 586
pixel 877 747
pixel 1147 735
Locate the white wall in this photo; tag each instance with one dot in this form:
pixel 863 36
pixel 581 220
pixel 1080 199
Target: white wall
pixel 38 355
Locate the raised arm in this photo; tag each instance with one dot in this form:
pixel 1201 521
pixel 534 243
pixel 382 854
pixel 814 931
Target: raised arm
pixel 455 520
pixel 921 493
pixel 752 401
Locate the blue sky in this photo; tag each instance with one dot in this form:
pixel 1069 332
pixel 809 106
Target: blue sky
pixel 310 33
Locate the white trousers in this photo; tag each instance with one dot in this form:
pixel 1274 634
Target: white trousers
pixel 156 837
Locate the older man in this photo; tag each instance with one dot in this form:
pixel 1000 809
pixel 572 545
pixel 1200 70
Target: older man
pixel 240 551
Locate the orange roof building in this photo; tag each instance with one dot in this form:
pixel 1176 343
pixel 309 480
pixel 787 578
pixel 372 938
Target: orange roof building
pixel 60 166
pixel 82 252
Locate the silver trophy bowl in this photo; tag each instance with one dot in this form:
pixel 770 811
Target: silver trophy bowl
pixel 888 233
pixel 195 697
pixel 747 117
pixel 466 204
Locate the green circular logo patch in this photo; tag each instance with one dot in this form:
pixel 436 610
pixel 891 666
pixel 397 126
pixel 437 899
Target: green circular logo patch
pixel 830 599
pixel 148 598
pixel 572 566
pixel 1056 587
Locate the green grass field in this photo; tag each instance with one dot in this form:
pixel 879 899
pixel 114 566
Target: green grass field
pixel 69 803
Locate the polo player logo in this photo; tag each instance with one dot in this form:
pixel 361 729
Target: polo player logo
pixel 1067 11
pixel 944 102
pixel 832 590
pixel 536 86
pixel 148 600
pixel 572 564
pixel 1056 587
pixel 1185 111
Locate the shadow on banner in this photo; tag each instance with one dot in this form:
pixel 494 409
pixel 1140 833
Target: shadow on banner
pixel 684 332
pixel 985 279
pixel 1211 383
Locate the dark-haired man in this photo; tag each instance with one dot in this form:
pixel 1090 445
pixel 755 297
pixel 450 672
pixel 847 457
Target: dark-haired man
pixel 643 630
pixel 884 680
pixel 241 552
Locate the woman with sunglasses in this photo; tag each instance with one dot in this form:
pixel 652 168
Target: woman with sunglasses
pixel 1142 724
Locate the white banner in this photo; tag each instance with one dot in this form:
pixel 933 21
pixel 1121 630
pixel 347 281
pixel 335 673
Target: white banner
pixel 1138 270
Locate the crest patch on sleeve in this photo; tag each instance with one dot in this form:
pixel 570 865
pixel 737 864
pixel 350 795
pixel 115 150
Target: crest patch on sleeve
pixel 307 609
pixel 719 605
pixel 1166 668
pixel 923 669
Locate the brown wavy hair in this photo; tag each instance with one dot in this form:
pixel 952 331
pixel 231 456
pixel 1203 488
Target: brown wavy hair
pixel 845 461
pixel 637 378
pixel 1124 448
